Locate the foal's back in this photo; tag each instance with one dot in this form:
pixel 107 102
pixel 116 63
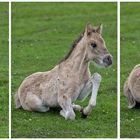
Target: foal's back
pixel 36 86
pixel 134 82
pixel 132 86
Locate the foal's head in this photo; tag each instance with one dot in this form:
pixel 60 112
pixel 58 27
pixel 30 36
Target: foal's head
pixel 96 49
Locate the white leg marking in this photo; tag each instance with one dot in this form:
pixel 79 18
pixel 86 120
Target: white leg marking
pixel 77 107
pixel 95 87
pixel 67 109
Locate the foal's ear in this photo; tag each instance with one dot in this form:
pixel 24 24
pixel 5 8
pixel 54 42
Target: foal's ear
pixel 88 29
pixel 99 29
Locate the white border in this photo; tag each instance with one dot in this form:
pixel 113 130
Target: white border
pixel 70 1
pixel 118 69
pixel 9 69
pixel 118 53
pixel 63 1
pixel 118 61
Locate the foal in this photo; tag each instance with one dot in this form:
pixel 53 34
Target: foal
pixel 132 87
pixel 69 80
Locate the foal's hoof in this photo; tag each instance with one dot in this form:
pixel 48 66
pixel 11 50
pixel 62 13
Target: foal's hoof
pixel 137 106
pixel 83 115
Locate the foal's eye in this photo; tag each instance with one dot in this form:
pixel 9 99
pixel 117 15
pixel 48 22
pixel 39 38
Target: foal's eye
pixel 93 45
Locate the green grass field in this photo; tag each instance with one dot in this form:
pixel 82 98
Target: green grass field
pixel 130 56
pixel 3 70
pixel 41 35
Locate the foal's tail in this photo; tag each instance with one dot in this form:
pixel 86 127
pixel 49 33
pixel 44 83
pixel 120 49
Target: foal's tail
pixel 17 101
pixel 129 95
pixel 126 88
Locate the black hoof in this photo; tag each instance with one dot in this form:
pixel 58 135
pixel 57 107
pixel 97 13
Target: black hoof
pixel 137 106
pixel 83 115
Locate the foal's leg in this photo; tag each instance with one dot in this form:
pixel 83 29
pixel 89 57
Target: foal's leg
pixel 67 109
pixel 84 93
pixel 128 94
pixel 86 90
pixel 34 103
pixel 131 100
pixel 95 81
pixel 77 107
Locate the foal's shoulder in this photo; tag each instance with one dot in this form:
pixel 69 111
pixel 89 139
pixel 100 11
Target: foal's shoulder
pixel 136 71
pixel 134 75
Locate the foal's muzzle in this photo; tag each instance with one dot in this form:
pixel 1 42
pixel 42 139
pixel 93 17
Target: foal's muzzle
pixel 108 60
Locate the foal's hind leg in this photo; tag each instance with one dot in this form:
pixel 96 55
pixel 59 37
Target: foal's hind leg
pixel 34 103
pixel 128 94
pixel 96 79
pixel 131 100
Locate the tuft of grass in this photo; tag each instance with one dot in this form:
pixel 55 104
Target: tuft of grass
pixel 130 56
pixel 4 70
pixel 41 34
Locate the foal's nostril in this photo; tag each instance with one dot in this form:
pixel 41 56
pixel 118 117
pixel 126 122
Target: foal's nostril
pixel 108 59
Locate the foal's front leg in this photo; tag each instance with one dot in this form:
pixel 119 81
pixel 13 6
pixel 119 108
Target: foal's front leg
pixel 67 108
pixel 96 79
pixel 77 107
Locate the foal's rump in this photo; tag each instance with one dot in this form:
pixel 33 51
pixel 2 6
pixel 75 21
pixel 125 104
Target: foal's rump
pixel 32 94
pixel 132 87
pixel 134 83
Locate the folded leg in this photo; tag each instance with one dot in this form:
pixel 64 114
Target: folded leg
pixel 77 107
pixel 67 109
pixel 96 79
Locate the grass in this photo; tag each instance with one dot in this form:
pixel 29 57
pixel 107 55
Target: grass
pixel 3 70
pixel 130 56
pixel 41 34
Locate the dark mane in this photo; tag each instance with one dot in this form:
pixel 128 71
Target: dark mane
pixel 72 48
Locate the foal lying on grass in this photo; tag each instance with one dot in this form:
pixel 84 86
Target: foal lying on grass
pixel 132 87
pixel 69 80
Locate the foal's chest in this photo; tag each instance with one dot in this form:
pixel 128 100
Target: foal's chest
pixel 72 83
pixel 77 92
pixel 76 85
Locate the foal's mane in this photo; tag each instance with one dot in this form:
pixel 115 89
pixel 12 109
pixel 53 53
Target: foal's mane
pixel 74 44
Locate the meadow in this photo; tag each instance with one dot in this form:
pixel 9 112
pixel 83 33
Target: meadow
pixel 4 70
pixel 130 56
pixel 41 36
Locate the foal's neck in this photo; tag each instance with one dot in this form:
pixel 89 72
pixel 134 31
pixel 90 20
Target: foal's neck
pixel 78 58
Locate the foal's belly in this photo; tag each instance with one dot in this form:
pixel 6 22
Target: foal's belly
pixel 51 101
pixel 49 92
pixel 50 96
